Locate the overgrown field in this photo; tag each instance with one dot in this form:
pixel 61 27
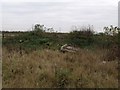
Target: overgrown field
pixel 48 68
pixel 34 60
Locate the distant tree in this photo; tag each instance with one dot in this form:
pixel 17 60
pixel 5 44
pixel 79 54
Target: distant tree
pixel 39 28
pixel 50 30
pixel 111 30
pixel 112 35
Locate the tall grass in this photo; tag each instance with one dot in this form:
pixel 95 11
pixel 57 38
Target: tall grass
pixel 49 68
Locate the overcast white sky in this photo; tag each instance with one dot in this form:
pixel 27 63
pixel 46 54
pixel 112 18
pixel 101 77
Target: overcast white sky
pixel 22 14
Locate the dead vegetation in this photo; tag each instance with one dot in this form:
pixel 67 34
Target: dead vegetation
pixel 48 68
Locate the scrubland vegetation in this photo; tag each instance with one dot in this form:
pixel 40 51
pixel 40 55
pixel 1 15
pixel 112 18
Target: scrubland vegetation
pixel 33 59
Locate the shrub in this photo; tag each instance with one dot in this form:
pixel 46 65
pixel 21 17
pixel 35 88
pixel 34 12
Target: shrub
pixel 82 37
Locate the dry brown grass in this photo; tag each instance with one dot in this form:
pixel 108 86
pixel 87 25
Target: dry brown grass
pixel 47 68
